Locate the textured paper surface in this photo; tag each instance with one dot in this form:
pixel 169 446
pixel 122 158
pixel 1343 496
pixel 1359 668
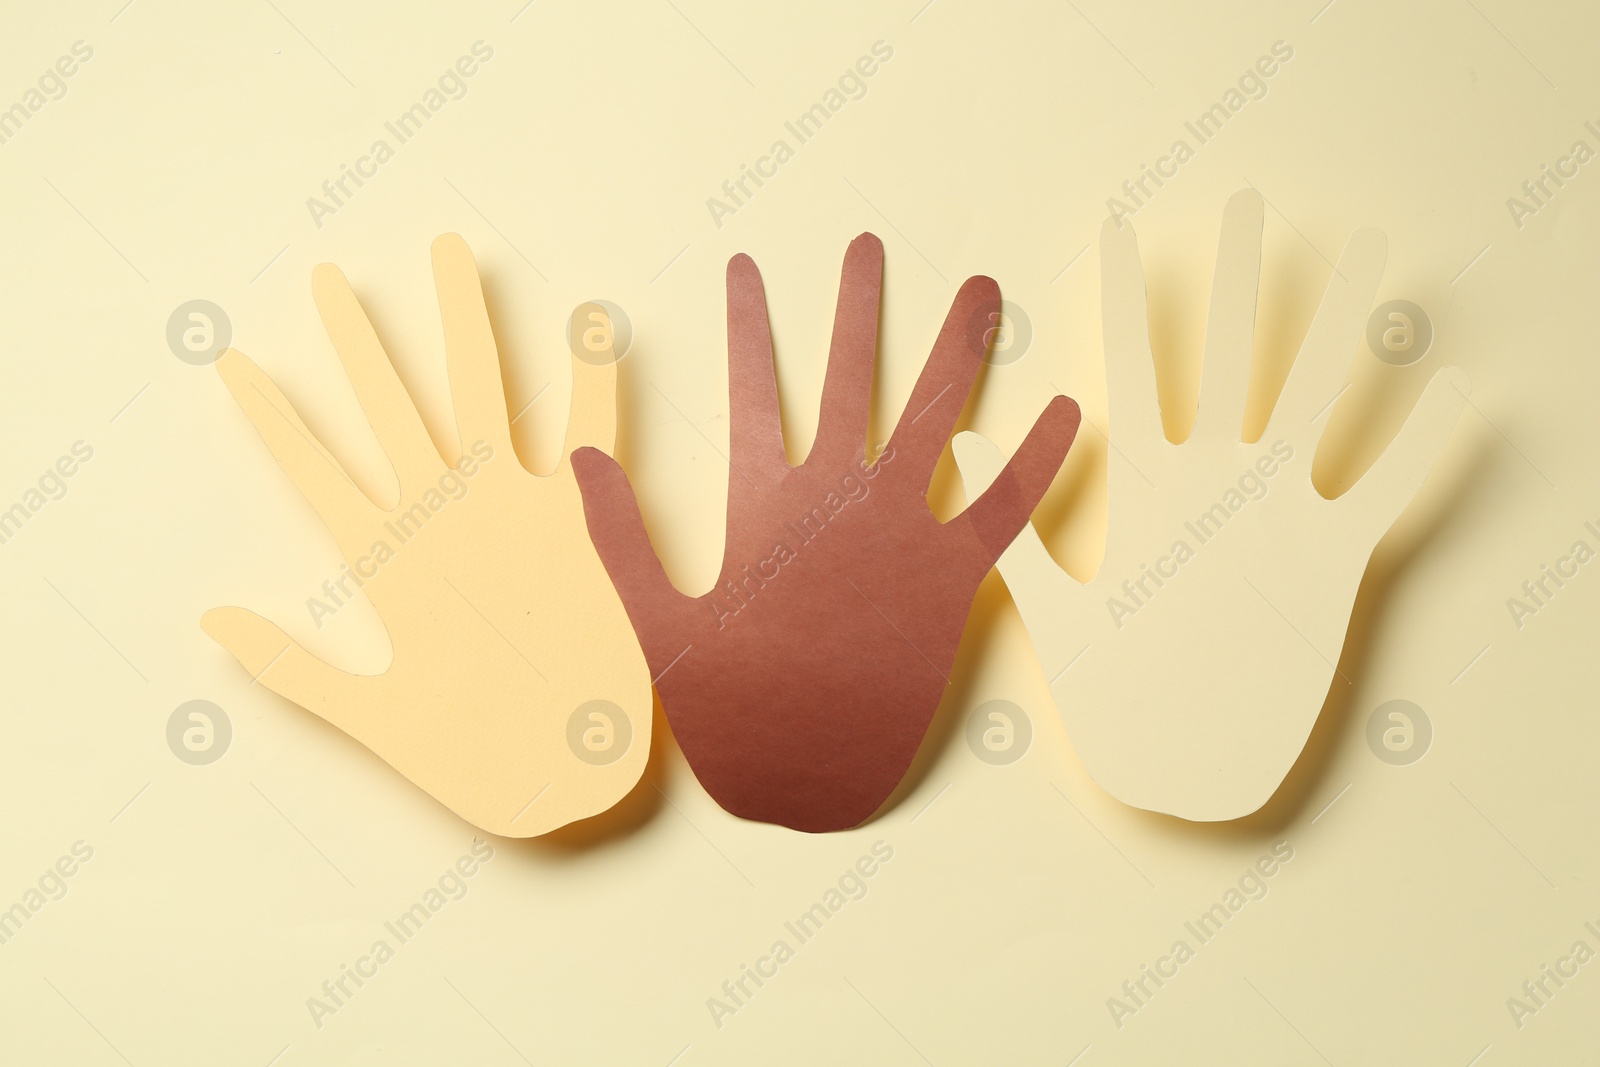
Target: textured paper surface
pixel 1191 669
pixel 481 572
pixel 801 684
pixel 1020 896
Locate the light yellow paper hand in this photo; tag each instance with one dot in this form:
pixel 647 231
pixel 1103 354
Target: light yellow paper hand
pixel 1191 669
pixel 517 695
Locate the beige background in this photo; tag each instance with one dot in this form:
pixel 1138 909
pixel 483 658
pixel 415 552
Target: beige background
pixel 1019 898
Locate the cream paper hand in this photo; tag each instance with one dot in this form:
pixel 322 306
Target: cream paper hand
pixel 517 695
pixel 1191 669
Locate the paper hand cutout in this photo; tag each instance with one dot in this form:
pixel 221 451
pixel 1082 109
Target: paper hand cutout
pixel 517 696
pixel 801 684
pixel 1191 669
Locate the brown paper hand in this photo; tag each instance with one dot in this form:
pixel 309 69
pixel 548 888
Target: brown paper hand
pixel 802 683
